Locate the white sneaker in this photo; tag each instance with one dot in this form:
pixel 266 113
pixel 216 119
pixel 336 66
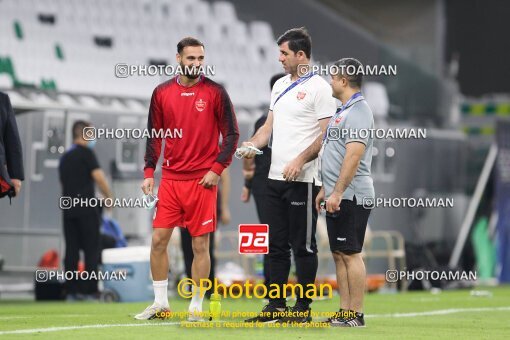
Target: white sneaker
pixel 153 312
pixel 195 314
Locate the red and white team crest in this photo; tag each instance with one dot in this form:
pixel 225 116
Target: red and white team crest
pixel 253 239
pixel 301 95
pixel 200 105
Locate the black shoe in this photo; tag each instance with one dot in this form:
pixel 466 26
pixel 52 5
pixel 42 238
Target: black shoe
pixel 353 321
pixel 337 318
pixel 297 314
pixel 269 314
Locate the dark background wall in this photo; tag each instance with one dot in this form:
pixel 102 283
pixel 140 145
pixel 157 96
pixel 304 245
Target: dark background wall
pixel 415 93
pixel 479 33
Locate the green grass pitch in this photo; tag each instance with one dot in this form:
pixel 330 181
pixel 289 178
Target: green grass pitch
pixel 447 315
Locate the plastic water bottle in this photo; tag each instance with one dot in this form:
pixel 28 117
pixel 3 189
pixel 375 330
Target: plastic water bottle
pixel 259 265
pixel 215 307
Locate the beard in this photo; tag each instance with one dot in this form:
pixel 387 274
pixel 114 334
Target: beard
pixel 190 71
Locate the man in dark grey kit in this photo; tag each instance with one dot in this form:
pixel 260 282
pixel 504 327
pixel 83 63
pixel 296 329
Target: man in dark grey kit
pixel 345 159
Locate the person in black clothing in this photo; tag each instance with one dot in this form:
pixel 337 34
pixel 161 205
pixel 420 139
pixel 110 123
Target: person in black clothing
pixel 255 172
pixel 11 156
pixel 78 171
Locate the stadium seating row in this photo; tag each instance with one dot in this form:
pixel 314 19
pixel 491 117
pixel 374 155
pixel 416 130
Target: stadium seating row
pixel 74 45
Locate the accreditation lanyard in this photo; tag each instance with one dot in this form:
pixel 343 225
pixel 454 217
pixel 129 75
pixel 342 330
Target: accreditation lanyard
pixel 339 112
pixel 300 80
pixel 293 85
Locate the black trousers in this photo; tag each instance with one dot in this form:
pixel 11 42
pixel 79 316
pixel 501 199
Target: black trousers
pixel 260 204
pixel 292 224
pixel 82 233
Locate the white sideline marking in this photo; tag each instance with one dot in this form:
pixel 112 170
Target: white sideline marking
pixel 396 315
pixel 438 312
pixel 70 328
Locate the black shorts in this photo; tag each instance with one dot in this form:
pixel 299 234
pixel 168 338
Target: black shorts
pixel 346 228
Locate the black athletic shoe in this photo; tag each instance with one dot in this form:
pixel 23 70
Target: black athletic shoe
pixel 337 318
pixel 297 314
pixel 354 321
pixel 269 314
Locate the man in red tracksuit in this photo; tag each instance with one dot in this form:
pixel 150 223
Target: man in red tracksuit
pixel 193 111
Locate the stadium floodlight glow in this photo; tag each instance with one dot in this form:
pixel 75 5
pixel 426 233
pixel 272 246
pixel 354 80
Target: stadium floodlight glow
pixel 239 154
pixel 149 201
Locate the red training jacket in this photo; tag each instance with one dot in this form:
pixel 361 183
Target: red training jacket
pixel 192 119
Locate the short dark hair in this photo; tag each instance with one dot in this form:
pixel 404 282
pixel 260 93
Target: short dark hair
pixel 78 127
pixel 188 41
pixel 299 40
pixel 275 78
pixel 355 79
